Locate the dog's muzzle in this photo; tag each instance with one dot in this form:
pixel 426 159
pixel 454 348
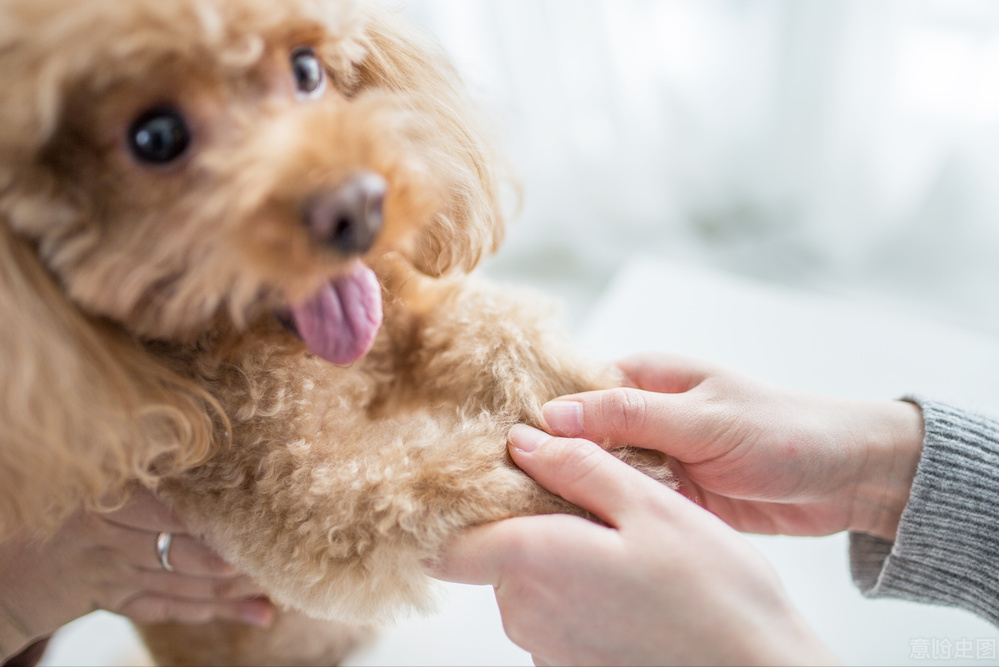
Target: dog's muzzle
pixel 348 217
pixel 340 320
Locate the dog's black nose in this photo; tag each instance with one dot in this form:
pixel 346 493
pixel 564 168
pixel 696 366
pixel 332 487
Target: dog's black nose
pixel 348 217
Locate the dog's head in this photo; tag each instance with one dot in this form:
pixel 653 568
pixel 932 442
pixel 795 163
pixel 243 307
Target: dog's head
pixel 172 168
pixel 174 163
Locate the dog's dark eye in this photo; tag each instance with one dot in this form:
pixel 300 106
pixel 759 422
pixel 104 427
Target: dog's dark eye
pixel 159 136
pixel 310 79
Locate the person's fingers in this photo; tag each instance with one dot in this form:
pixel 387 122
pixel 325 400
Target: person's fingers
pixel 187 555
pixel 480 555
pixel 645 413
pixel 144 511
pixel 681 407
pixel 623 416
pixel 204 589
pixel 476 555
pixel 582 473
pixel 153 608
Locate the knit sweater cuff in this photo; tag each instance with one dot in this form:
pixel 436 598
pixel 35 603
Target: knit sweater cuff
pixel 947 547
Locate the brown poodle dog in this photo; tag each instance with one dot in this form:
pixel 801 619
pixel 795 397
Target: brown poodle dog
pixel 231 240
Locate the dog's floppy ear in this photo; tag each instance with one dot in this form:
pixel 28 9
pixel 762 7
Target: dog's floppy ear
pixel 83 408
pixel 471 223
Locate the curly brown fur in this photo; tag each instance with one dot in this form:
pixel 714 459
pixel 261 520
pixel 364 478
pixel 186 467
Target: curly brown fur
pixel 143 301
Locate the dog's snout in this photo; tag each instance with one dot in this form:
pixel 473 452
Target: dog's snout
pixel 348 217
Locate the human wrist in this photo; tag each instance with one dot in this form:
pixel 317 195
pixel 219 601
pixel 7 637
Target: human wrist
pixel 892 441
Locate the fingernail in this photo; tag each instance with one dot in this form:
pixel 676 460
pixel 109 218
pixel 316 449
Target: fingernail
pixel 260 614
pixel 564 417
pixel 527 438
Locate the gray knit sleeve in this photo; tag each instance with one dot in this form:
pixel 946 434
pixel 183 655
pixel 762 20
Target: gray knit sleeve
pixel 947 547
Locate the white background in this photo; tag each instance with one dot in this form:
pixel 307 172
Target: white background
pixel 843 145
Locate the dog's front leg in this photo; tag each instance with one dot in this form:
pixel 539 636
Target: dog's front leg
pixel 341 526
pixel 483 348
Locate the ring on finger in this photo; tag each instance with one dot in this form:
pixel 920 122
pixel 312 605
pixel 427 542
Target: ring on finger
pixel 163 542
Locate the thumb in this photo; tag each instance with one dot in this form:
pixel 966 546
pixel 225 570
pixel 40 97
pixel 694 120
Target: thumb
pixel 582 473
pixel 478 555
pixel 623 416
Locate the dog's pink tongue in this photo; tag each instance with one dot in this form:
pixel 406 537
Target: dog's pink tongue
pixel 340 321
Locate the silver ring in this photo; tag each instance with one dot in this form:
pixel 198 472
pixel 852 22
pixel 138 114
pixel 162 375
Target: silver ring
pixel 163 542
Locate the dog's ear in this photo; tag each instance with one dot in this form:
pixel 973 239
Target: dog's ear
pixel 472 173
pixel 83 408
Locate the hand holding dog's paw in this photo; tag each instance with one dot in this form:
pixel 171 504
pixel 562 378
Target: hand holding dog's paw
pixel 765 459
pixel 665 582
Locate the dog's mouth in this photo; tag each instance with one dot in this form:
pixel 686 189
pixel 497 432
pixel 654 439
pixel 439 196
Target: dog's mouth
pixel 340 321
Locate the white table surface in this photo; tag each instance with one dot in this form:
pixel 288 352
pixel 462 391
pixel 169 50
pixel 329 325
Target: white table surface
pixel 793 338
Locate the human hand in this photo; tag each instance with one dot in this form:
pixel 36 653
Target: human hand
pixel 763 458
pixel 109 561
pixel 665 582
